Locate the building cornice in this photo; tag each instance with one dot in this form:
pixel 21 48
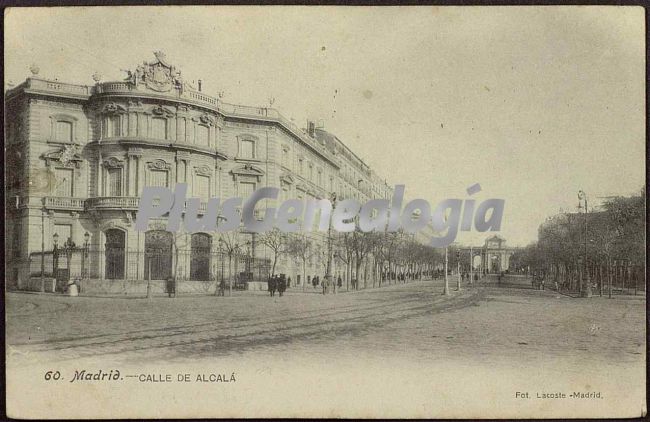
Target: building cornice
pixel 158 144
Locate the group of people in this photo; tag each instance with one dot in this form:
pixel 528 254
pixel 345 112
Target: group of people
pixel 277 283
pixel 538 280
pixel 316 281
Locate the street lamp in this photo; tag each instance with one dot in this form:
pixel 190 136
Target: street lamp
pixel 586 290
pixel 221 250
pixel 43 250
pixel 85 254
pixel 328 271
pixel 55 255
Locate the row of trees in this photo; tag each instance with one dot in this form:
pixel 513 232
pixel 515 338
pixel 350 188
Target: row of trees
pixel 381 256
pixel 615 246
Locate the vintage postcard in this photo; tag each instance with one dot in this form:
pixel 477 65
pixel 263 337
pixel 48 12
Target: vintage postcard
pixel 325 212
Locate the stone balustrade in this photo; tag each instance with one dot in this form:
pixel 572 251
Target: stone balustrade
pixel 64 203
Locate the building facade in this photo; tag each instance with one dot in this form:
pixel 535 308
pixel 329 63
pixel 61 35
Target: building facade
pixel 79 156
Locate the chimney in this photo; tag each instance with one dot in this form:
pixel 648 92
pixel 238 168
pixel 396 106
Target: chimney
pixel 311 128
pixel 200 85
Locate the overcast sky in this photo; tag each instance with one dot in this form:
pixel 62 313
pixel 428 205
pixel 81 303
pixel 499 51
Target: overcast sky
pixel 533 103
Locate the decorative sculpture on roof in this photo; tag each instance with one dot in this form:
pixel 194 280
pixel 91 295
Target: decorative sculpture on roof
pixel 157 75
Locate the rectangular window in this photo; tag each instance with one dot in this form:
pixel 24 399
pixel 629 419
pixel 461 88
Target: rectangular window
pixel 202 187
pixel 115 182
pixel 246 189
pixel 159 128
pixel 63 182
pixel 64 131
pixel 158 178
pixel 247 149
pixel 113 126
pixel 202 135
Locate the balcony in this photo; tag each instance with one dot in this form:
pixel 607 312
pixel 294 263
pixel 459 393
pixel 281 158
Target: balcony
pixel 130 203
pixel 113 202
pixel 62 203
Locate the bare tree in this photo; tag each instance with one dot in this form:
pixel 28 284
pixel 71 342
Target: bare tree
pixel 277 242
pixel 229 243
pixel 301 247
pixel 361 245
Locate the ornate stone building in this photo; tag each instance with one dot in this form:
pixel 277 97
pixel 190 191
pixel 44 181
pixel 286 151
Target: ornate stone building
pixel 79 156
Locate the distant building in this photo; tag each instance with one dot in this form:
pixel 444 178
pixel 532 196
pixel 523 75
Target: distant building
pixel 493 256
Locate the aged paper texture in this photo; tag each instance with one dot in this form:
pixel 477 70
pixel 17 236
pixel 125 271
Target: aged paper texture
pixel 315 212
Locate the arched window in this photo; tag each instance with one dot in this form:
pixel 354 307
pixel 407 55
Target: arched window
pixel 158 255
pixel 200 257
pixel 115 242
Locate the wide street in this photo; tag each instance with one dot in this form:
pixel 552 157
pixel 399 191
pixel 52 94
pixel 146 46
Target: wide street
pixel 399 351
pixel 487 322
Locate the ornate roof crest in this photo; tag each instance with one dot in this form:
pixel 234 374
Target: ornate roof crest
pixel 157 75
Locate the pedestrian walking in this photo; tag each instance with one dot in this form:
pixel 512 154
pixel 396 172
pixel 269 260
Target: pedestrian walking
pixel 171 286
pixel 282 284
pixel 271 285
pixel 222 288
pixel 339 282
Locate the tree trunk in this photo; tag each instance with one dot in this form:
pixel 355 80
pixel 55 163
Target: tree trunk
pixel 357 266
pixel 230 274
pixel 609 276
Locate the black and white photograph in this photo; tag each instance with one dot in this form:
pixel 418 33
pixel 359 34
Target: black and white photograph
pixel 325 212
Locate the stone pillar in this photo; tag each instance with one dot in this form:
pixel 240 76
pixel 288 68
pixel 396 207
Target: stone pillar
pixel 134 159
pixel 182 159
pixel 140 176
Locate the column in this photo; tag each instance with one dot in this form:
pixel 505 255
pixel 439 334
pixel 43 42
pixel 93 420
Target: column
pixel 134 164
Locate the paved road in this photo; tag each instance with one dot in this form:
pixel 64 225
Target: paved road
pixel 398 351
pixel 486 322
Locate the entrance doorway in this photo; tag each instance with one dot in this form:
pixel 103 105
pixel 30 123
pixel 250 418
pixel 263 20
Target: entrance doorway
pixel 115 240
pixel 200 257
pixel 158 254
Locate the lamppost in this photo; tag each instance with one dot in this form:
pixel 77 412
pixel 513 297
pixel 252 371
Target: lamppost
pixel 471 265
pixel 55 255
pixel 68 247
pixel 84 256
pixel 328 270
pixel 586 290
pixel 446 290
pixel 43 250
pixel 458 270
